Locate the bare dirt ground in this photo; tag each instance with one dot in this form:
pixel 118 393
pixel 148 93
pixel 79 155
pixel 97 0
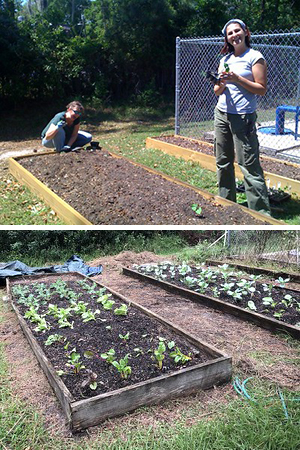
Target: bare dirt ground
pixel 112 191
pixel 10 149
pixel 255 352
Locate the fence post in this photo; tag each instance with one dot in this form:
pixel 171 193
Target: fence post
pixel 297 247
pixel 177 86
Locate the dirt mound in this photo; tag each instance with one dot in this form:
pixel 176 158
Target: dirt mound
pixel 128 258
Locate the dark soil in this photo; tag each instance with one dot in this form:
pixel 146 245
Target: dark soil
pixel 285 312
pixel 278 167
pixel 94 337
pixel 112 191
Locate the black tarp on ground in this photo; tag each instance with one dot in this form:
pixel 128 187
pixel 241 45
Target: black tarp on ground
pixel 73 264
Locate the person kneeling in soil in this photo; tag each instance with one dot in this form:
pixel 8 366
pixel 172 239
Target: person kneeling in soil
pixel 62 132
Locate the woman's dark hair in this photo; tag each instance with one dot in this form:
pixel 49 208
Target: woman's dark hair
pixel 228 48
pixel 75 104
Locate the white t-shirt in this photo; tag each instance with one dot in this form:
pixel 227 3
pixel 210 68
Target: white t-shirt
pixel 235 99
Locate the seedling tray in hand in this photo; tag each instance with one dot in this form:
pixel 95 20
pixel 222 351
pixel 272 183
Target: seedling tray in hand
pixel 78 316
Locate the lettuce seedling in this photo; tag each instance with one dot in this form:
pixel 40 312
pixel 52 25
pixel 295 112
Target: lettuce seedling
pixel 159 354
pixel 184 268
pixel 190 281
pixel 108 304
pixel 202 286
pixel 103 298
pixel 79 308
pixel 279 313
pixel 197 209
pixel 32 315
pixel 90 380
pixel 109 356
pixel 64 323
pixel 122 367
pixel 179 357
pixel 268 301
pixel 74 361
pixel 52 338
pixel 216 292
pixel 171 344
pixel 89 315
pixel 282 282
pixel 124 337
pixel 42 325
pixel 251 305
pixel 287 301
pixel 61 288
pixel 19 290
pixel 122 310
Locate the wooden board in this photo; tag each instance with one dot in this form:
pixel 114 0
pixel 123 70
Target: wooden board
pixel 89 412
pixel 273 325
pixel 209 162
pixel 62 208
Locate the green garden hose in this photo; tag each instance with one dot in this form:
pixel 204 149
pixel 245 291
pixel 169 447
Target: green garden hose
pixel 240 388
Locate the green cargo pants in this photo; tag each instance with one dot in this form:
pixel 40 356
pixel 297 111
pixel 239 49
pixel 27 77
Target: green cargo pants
pixel 237 132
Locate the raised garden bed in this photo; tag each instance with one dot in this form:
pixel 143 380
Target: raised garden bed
pixel 279 173
pixel 256 270
pixel 268 305
pixel 101 188
pixel 105 355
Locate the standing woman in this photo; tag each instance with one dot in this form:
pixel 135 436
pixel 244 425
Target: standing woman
pixel 243 75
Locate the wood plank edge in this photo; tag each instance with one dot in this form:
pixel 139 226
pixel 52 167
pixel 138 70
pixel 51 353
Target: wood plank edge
pixel 60 206
pixel 62 393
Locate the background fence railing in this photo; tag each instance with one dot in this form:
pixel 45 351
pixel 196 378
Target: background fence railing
pixel 195 99
pixel 281 247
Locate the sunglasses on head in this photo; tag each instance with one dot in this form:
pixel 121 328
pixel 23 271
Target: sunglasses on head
pixel 77 112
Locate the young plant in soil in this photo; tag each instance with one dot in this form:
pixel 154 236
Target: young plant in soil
pixel 179 357
pixel 122 367
pixel 93 348
pixel 74 361
pixel 272 299
pixel 197 209
pixel 159 354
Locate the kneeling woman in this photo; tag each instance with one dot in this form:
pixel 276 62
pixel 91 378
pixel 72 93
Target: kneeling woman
pixel 62 132
pixel 243 75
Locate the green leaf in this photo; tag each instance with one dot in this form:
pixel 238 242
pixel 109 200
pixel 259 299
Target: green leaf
pixel 171 345
pixel 251 305
pixel 196 208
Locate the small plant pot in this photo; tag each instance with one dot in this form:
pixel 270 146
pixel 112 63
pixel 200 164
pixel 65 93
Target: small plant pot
pixel 278 196
pixel 240 187
pixel 275 195
pixel 95 145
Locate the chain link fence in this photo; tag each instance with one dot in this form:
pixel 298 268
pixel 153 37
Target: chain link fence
pixel 278 111
pixel 282 247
